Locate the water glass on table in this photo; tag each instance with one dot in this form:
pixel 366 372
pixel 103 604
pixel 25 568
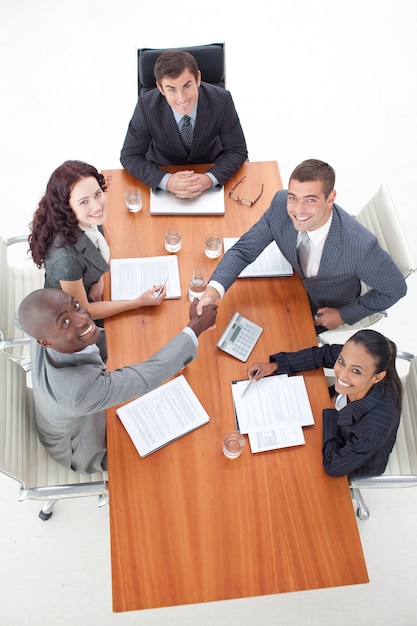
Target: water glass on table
pixel 213 245
pixel 233 443
pixel 133 199
pixel 173 239
pixel 197 284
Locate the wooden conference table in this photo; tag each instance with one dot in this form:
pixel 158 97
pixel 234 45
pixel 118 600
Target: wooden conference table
pixel 187 524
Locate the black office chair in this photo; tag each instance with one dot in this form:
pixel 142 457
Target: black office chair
pixel 210 59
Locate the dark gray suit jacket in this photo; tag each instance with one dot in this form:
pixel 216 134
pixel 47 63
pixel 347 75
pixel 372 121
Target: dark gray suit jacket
pixel 73 391
pixel 358 439
pixel 351 254
pixel 72 262
pixel 153 139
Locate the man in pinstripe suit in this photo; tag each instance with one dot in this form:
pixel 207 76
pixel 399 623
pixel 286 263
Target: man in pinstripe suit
pixel 154 138
pixel 342 252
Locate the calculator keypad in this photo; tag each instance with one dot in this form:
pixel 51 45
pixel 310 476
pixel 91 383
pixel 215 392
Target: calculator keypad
pixel 245 341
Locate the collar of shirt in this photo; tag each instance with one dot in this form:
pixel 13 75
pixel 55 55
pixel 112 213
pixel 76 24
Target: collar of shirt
pixel 341 401
pixel 178 116
pixel 92 348
pixel 318 235
pixel 353 411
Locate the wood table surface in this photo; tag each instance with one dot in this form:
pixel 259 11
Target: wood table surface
pixel 188 524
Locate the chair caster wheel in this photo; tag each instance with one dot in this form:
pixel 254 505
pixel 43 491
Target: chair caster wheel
pixel 45 516
pixel 363 515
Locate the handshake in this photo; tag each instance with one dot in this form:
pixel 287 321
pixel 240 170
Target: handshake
pixel 203 312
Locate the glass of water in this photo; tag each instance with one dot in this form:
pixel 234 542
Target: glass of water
pixel 197 284
pixel 213 245
pixel 133 199
pixel 173 239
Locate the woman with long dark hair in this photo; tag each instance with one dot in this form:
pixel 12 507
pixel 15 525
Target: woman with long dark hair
pixel 67 241
pixel 359 430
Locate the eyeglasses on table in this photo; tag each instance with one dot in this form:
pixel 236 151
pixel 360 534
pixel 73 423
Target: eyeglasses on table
pixel 243 201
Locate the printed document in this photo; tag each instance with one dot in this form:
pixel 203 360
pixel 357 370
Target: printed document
pixel 162 415
pixel 273 411
pixel 271 262
pixel 131 277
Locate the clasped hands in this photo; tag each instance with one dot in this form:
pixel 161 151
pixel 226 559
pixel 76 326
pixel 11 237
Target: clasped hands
pixel 188 184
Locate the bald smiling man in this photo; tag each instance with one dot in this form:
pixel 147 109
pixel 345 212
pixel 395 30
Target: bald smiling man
pixel 72 387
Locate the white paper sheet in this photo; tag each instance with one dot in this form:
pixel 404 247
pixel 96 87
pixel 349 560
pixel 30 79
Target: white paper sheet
pixel 283 436
pixel 131 277
pixel 273 411
pixel 271 262
pixel 162 415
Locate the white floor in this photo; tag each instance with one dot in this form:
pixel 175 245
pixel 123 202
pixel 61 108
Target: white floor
pixel 331 80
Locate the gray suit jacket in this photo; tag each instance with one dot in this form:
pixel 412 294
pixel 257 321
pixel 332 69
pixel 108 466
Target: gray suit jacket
pixel 153 139
pixel 73 391
pixel 351 254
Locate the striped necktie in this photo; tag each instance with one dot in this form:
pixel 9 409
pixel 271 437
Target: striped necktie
pixel 187 132
pixel 303 251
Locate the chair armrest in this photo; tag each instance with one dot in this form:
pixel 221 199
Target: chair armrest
pixel 405 356
pixel 384 481
pixel 56 492
pixel 17 239
pixel 23 361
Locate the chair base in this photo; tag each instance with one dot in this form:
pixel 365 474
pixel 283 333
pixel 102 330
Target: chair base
pixel 47 509
pixel 362 511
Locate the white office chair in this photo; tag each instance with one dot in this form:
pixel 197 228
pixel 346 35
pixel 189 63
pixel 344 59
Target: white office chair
pixel 401 470
pixel 22 456
pixel 380 217
pixel 19 276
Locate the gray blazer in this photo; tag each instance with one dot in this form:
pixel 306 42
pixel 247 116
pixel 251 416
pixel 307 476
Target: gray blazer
pixel 73 391
pixel 153 139
pixel 351 254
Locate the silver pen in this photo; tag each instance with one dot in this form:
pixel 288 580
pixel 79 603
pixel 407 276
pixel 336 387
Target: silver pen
pixel 252 380
pixel 158 293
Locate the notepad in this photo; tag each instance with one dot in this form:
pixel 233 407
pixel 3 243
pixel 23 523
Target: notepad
pixel 210 202
pixel 273 411
pixel 162 416
pixel 131 277
pixel 271 262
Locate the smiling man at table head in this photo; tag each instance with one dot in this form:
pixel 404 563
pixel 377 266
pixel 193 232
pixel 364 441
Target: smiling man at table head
pixel 155 135
pixel 341 252
pixel 72 387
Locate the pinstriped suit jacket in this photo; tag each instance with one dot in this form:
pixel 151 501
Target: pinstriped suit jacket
pixel 351 254
pixel 358 439
pixel 153 139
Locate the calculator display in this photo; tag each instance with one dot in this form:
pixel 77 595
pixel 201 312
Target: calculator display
pixel 235 330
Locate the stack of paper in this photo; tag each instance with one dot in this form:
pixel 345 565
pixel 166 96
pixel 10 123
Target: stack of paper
pixel 273 411
pixel 162 415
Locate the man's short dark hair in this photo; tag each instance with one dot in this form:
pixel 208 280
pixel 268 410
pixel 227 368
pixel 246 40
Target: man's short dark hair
pixel 313 169
pixel 172 63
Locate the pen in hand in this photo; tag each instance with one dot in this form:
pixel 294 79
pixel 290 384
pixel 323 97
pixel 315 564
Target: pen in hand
pixel 158 293
pixel 252 380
